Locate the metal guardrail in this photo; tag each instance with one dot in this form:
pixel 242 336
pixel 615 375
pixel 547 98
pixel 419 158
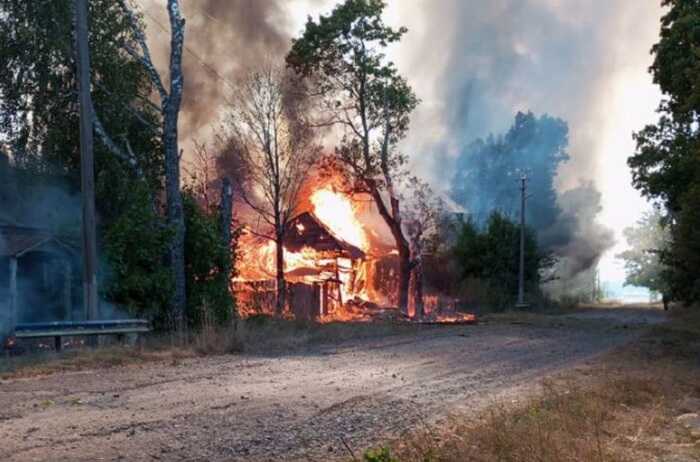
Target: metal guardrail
pixel 87 325
pixel 60 329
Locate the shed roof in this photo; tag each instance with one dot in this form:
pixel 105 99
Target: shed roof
pixel 16 241
pixel 307 231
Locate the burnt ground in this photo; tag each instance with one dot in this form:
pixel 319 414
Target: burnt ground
pixel 300 406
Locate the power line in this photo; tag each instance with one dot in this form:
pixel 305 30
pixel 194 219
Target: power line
pixel 192 53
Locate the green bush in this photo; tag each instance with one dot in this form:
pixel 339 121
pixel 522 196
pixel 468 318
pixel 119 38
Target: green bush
pixel 135 245
pixel 206 257
pixel 488 258
pixel 379 455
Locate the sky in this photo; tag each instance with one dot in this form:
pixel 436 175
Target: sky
pixel 599 48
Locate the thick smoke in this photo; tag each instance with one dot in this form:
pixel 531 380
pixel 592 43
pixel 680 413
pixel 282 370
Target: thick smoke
pixel 487 177
pixel 496 58
pixel 581 240
pixel 223 39
pixel 473 63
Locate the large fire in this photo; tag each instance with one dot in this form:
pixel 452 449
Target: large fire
pixel 337 211
pixel 333 269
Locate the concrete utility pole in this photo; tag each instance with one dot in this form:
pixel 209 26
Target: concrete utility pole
pixel 87 167
pixel 521 274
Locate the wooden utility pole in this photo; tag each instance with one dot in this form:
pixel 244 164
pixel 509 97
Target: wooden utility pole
pixel 87 167
pixel 521 274
pixel 226 215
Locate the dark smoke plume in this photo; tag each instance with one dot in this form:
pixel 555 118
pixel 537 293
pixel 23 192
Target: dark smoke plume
pixel 223 38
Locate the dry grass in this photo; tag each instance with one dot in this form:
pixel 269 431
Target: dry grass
pixel 259 335
pixel 45 363
pixel 622 409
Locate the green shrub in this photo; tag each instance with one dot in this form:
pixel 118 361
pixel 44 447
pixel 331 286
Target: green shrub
pixel 379 455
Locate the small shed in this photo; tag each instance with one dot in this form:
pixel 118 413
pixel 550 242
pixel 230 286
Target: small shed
pixel 37 272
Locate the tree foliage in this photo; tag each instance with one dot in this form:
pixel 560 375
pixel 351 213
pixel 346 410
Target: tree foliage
pixel 487 171
pixel 666 165
pixel 491 253
pixel 208 297
pixel 38 101
pixel 39 131
pixel 135 245
pixel 647 242
pixel 363 95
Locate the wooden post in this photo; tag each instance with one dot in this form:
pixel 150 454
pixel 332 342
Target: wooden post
pixel 67 291
pixel 225 217
pixel 87 167
pixel 13 293
pixel 337 276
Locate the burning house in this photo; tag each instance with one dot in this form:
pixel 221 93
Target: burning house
pixel 339 264
pixel 320 269
pixel 333 258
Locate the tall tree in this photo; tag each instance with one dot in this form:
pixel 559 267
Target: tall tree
pixel 170 102
pixel 270 146
pixel 368 100
pixel 666 166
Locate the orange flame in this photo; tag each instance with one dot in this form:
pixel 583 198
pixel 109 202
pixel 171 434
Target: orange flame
pixel 337 211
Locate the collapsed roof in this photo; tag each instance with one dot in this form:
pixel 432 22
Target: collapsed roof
pixel 307 231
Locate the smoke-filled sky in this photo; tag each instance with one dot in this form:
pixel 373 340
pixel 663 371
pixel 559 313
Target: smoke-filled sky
pixel 474 64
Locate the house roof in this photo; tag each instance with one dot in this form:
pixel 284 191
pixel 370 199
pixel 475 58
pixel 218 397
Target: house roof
pixel 16 241
pixel 307 231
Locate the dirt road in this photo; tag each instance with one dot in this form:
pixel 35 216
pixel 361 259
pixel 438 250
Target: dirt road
pixel 294 407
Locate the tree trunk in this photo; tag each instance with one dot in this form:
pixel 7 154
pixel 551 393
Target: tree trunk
pixel 176 252
pixel 394 224
pixel 281 285
pixel 173 194
pixel 417 274
pixel 225 217
pixel 404 278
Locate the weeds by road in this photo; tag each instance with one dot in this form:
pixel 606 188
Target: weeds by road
pixel 640 403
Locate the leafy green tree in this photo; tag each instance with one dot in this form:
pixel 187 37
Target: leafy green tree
pixel 682 259
pixel 486 172
pixel 491 253
pixel 647 241
pixel 666 166
pixel 208 297
pixel 365 96
pixel 38 108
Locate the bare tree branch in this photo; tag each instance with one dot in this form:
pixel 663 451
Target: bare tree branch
pixel 145 56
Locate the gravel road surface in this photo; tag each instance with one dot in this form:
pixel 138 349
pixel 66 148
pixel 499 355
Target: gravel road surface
pixel 299 406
